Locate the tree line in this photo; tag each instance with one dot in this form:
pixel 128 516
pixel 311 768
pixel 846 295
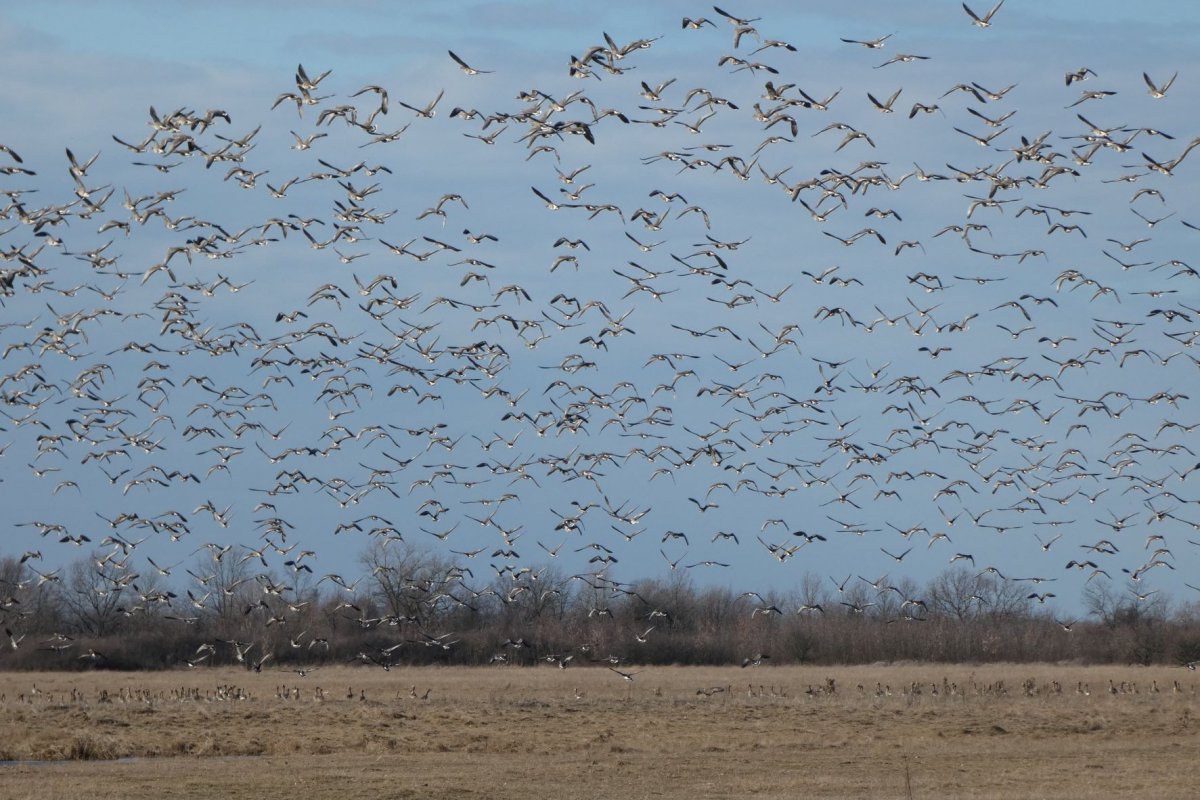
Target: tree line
pixel 410 607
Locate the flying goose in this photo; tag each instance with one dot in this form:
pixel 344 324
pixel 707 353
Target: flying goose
pixel 1155 91
pixel 1080 74
pixel 467 68
pixel 628 676
pixel 872 44
pixel 984 21
pixel 428 111
pixel 884 108
pixel 736 21
pixel 303 82
pixel 902 58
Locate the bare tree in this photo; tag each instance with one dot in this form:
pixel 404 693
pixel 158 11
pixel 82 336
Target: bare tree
pixel 958 593
pixel 97 595
pixel 408 582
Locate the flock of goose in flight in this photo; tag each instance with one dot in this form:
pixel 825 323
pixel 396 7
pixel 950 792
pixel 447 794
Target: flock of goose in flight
pixel 703 352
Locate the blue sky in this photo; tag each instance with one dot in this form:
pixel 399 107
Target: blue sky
pixel 79 73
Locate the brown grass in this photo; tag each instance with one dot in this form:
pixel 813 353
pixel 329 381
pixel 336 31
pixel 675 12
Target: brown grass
pixel 990 731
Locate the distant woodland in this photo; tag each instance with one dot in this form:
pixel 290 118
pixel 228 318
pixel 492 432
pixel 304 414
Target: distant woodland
pixel 410 607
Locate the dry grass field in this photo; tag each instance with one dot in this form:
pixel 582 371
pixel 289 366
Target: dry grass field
pixel 884 731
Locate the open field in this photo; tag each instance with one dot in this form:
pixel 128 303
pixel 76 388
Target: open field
pixel 989 731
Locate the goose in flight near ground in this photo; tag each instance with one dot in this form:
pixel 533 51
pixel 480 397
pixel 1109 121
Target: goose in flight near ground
pixel 627 675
